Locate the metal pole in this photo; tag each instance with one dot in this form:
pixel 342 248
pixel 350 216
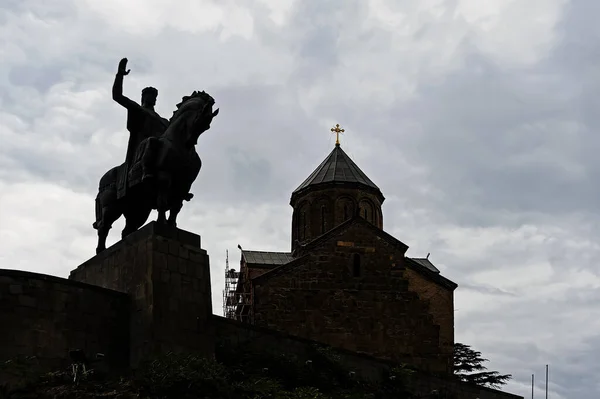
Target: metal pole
pixel 532 385
pixel 546 381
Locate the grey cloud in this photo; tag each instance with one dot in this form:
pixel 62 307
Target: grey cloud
pixel 49 11
pixel 486 289
pixel 501 141
pixel 471 156
pixel 258 162
pixel 251 175
pixel 40 78
pixel 318 28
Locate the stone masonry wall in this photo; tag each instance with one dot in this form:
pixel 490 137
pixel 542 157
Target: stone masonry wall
pixel 374 313
pixel 441 307
pixel 46 316
pixel 167 275
pixel 232 334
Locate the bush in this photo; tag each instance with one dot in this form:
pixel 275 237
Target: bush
pixel 20 374
pixel 176 376
pixel 238 374
pixel 323 371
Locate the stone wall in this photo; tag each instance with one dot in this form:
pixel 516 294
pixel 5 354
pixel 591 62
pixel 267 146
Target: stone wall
pixel 233 334
pixel 374 313
pixel 441 306
pixel 167 275
pixel 46 316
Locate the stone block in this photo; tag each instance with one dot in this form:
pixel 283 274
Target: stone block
pixel 197 256
pixel 184 253
pixel 15 289
pixel 173 263
pixel 165 276
pixel 173 305
pixel 174 248
pixel 162 245
pixel 26 300
pixel 159 261
pixel 176 280
pixel 183 267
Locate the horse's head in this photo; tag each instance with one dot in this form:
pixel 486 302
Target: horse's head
pixel 194 114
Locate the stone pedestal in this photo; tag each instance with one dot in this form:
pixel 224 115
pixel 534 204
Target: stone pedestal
pixel 166 274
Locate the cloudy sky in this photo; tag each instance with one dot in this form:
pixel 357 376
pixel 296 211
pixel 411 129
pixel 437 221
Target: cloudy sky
pixel 475 117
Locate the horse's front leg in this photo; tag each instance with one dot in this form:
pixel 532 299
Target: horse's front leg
pixel 162 198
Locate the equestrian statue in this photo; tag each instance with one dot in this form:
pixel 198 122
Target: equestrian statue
pixel 161 162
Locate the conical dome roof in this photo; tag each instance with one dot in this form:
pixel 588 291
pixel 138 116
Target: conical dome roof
pixel 337 168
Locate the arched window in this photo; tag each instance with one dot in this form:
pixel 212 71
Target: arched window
pixel 323 224
pixel 356 265
pixel 302 234
pixel 367 211
pixel 296 225
pixel 345 209
pixel 378 218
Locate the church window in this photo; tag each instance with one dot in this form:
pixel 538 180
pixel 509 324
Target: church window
pixel 303 225
pixel 367 212
pixel 323 226
pixel 346 211
pixel 356 265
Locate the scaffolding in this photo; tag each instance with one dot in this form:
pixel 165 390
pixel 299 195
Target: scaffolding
pixel 236 304
pixel 231 280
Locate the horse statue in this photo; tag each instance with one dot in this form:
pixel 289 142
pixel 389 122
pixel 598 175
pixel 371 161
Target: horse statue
pixel 175 163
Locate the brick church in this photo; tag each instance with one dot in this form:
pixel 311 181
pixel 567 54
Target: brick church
pixel 346 282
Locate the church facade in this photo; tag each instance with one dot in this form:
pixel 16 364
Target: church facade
pixel 346 282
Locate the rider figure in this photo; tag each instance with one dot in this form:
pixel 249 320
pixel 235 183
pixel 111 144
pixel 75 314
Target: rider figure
pixel 142 122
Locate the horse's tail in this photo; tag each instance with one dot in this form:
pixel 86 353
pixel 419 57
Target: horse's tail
pixel 107 182
pixel 96 224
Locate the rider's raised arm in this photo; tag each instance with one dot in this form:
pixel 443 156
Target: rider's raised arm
pixel 117 93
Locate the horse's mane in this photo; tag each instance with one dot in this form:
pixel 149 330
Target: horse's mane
pixel 200 97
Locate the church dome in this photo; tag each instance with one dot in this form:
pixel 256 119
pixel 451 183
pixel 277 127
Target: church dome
pixel 333 193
